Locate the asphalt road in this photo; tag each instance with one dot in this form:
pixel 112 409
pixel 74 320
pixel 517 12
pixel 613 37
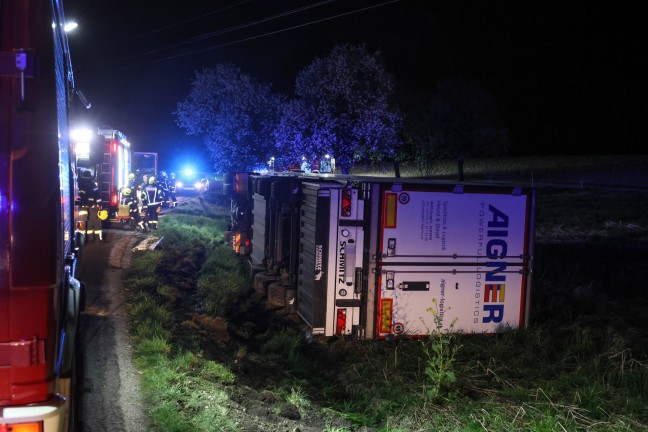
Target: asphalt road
pixel 108 392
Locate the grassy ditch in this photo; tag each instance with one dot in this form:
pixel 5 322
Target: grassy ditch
pixel 213 358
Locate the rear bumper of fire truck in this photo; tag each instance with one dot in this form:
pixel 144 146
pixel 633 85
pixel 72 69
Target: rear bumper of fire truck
pixel 50 413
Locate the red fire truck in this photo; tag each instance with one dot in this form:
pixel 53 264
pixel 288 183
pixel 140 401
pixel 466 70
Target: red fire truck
pixel 107 155
pixel 40 299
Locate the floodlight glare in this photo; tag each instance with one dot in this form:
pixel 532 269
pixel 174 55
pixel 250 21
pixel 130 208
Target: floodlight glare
pixel 81 135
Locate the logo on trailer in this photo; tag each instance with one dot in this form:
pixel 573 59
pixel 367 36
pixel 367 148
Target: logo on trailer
pixel 318 262
pixel 404 198
pixel 496 250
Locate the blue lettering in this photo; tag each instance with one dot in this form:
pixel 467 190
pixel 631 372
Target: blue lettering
pixel 496 248
pixel 492 276
pixel 495 313
pixel 500 220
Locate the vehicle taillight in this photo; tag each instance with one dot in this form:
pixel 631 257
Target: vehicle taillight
pixel 341 321
pixel 114 147
pixel 114 199
pixel 22 427
pixel 346 203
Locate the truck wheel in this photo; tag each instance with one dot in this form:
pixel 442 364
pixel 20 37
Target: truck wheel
pixel 261 282
pixel 256 269
pixel 277 294
pixel 282 298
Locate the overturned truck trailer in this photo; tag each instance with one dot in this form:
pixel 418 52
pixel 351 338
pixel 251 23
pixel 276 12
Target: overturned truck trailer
pixel 381 257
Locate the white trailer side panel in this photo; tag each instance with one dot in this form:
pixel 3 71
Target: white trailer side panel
pixel 451 261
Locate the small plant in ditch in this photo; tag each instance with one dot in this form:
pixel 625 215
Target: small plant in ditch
pixel 440 349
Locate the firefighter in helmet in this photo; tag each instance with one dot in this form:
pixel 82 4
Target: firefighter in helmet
pixel 163 188
pixel 153 203
pixel 86 185
pixel 172 189
pixel 131 181
pixel 130 199
pixel 90 200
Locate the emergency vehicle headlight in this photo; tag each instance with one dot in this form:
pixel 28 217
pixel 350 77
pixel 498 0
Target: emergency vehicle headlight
pixel 179 184
pixel 197 185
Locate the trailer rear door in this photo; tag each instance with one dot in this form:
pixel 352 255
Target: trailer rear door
pixel 452 260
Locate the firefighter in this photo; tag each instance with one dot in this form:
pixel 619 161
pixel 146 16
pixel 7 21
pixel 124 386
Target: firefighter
pixel 129 199
pixel 86 185
pixel 90 200
pixel 130 184
pixel 153 203
pixel 131 181
pixel 172 189
pixel 163 188
pixel 142 186
pixel 140 191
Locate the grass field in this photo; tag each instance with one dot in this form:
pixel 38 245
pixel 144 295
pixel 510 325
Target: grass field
pixel 212 358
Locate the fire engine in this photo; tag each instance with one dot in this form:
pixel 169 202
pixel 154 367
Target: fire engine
pixel 378 257
pixel 40 299
pixel 107 155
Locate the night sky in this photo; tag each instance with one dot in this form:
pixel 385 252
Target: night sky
pixel 568 77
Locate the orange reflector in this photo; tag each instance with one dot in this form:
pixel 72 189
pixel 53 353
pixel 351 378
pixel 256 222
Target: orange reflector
pixel 390 210
pixel 341 321
pixel 114 147
pixel 237 242
pixel 386 315
pixel 22 427
pixel 113 199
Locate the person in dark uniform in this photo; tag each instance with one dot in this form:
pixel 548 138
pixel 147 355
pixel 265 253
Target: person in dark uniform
pixel 130 199
pixel 172 189
pixel 85 185
pixel 153 203
pixel 163 188
pixel 90 200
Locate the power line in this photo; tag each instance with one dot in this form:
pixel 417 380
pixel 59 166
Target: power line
pixel 196 18
pixel 226 30
pixel 185 54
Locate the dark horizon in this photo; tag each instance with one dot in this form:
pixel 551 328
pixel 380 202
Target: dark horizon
pixel 566 78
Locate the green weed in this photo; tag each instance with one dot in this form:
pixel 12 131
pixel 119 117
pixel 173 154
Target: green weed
pixel 297 397
pixel 216 372
pixel 440 350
